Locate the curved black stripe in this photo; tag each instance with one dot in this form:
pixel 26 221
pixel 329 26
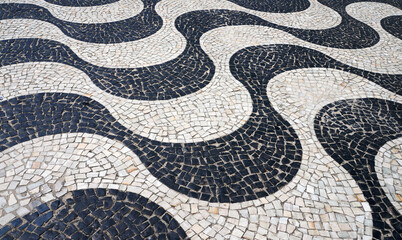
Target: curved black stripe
pixel 161 81
pixel 188 73
pixel 252 162
pixel 352 132
pixel 393 25
pixel 270 60
pixel 140 26
pixel 96 214
pixel 80 3
pixel 276 6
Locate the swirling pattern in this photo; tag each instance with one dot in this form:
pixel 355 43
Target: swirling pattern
pixel 140 26
pixel 379 122
pixel 254 161
pixel 101 155
pixel 148 83
pixel 341 36
pixel 295 155
pixel 96 213
pixel 158 82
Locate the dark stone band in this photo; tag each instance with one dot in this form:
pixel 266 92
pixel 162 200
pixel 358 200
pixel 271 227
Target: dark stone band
pixel 96 214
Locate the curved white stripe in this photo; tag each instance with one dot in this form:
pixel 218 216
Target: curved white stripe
pixel 112 12
pixel 388 166
pixel 46 168
pixel 371 13
pixel 164 45
pixel 220 108
pixel 317 16
pixel 384 57
pixel 319 202
pixel 299 95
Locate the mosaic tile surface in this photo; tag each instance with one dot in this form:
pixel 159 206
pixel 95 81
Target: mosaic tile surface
pixel 211 119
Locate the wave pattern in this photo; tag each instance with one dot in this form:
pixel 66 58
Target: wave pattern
pixel 155 82
pixel 140 26
pixel 148 22
pixel 290 165
pixel 256 160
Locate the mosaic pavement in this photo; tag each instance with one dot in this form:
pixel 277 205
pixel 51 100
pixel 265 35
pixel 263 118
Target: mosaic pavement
pixel 200 119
